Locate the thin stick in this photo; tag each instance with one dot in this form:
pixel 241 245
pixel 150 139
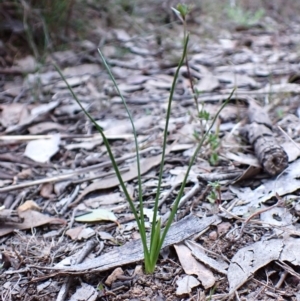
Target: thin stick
pixel 63 136
pixel 67 176
pixel 280 201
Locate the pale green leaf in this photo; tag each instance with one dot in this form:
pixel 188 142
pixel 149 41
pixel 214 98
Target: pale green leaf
pixel 97 215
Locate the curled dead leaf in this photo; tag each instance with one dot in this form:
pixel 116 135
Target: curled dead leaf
pixel 28 205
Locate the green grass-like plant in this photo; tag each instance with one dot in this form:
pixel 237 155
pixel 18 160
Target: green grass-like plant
pixel 152 244
pixel 244 17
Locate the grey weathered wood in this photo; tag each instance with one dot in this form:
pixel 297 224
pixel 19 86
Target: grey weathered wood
pixel 10 216
pixel 133 252
pixel 270 154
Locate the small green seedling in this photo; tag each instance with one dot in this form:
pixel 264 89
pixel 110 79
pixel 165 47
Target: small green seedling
pixel 244 17
pixel 213 138
pixel 204 115
pixel 215 194
pixel 152 244
pixel 214 142
pixel 211 292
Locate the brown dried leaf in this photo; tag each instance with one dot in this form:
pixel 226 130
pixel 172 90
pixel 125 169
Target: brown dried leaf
pixel 35 112
pixel 80 233
pixel 28 205
pixel 73 233
pixel 186 284
pixel 47 191
pixel 25 174
pixel 208 83
pixel 83 69
pixel 249 259
pixel 44 127
pixel 114 276
pixel 13 114
pixel 32 219
pixel 198 251
pixel 193 267
pixel 292 149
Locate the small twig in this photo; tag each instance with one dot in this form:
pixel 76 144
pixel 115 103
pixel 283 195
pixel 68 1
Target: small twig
pixel 190 194
pixel 219 177
pixel 11 71
pixel 70 199
pixel 67 176
pixel 288 268
pixel 21 196
pixel 161 202
pixel 283 276
pixel 288 136
pixel 266 285
pixel 72 218
pixel 22 138
pixel 103 175
pixel 237 296
pixel 279 202
pixel 263 288
pixel 27 10
pixel 90 245
pixel 192 85
pixel 203 195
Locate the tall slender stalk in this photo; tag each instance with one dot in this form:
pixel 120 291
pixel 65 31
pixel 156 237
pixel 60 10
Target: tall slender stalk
pixel 151 252
pixel 155 210
pixel 140 192
pixel 177 200
pixel 140 222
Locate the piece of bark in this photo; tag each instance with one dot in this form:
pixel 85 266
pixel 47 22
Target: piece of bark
pixel 270 154
pixel 11 216
pixel 257 114
pixel 133 250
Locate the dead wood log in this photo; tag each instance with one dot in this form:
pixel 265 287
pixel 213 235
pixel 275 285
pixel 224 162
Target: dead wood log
pixel 259 133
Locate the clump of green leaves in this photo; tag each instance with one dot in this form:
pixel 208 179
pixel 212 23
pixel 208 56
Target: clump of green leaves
pixel 204 115
pixel 211 292
pixel 214 143
pixel 181 11
pixel 153 244
pixel 213 140
pixel 215 193
pixel 244 17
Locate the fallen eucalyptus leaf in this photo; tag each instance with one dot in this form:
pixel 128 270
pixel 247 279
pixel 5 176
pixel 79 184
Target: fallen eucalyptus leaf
pixel 97 215
pixel 42 150
pixel 186 284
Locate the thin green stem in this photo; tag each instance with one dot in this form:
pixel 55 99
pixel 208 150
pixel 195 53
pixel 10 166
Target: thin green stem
pixel 157 237
pixel 140 224
pixel 175 206
pixel 135 141
pixel 188 67
pixel 155 210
